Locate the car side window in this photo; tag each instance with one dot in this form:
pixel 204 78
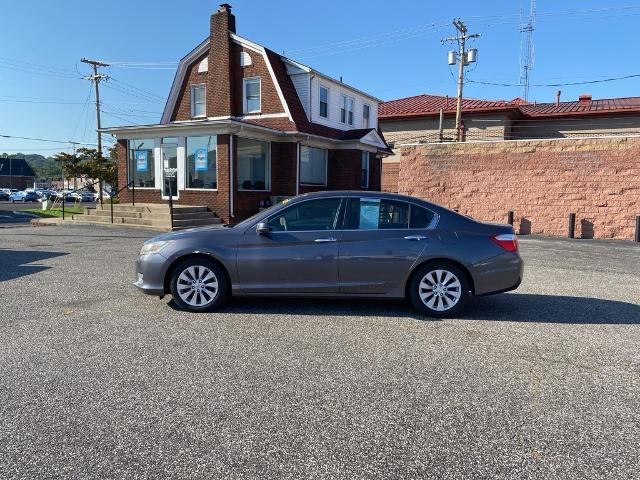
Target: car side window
pixel 420 217
pixel 376 214
pixel 320 214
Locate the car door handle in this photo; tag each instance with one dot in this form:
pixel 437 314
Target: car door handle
pixel 415 238
pixel 325 240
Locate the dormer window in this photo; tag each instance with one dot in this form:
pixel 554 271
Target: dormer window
pixel 251 94
pixel 198 100
pixel 346 109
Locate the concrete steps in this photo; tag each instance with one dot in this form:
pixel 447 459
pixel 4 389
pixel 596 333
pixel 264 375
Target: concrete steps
pixel 153 216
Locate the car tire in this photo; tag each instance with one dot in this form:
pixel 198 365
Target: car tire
pixel 199 285
pixel 439 289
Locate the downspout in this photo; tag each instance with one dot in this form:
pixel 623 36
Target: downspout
pixel 231 191
pixel 311 77
pixel 297 168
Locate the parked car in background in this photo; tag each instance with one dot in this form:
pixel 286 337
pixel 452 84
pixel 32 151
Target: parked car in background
pixel 4 195
pixel 87 196
pixel 337 244
pixel 24 196
pixel 72 197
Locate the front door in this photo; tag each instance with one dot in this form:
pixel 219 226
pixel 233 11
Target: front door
pixel 169 155
pixel 299 254
pixel 382 238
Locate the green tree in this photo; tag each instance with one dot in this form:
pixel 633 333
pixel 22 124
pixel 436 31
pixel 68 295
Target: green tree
pixel 71 164
pixel 97 166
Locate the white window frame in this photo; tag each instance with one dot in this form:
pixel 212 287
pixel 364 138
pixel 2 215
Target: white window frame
pixel 320 101
pixel 267 168
pixel 244 94
pixel 155 169
pixel 366 106
pixel 193 100
pixel 366 155
pixel 344 102
pixel 326 167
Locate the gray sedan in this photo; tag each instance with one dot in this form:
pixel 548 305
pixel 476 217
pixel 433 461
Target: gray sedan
pixel 337 244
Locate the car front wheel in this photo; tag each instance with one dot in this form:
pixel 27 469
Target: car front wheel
pixel 439 290
pixel 198 285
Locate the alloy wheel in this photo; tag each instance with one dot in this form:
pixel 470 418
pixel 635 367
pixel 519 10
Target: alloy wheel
pixel 440 290
pixel 197 286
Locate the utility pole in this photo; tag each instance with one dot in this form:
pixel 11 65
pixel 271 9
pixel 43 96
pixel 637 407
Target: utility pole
pixel 465 58
pixel 96 78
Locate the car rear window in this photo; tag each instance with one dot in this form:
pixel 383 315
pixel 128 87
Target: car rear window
pixel 420 217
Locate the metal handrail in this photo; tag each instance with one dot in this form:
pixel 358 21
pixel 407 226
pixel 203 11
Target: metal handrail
pixel 133 190
pixel 74 191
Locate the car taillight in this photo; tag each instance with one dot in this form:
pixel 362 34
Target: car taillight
pixel 508 241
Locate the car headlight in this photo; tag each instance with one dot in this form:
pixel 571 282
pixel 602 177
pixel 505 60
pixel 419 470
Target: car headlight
pixel 153 247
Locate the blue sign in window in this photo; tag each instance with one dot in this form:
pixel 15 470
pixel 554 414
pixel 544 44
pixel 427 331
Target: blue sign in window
pixel 142 160
pixel 201 159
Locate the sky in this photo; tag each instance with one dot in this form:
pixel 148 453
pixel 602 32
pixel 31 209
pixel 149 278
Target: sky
pixel 390 49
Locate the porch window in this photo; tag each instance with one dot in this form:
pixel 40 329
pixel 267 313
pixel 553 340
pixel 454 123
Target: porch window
pixel 324 102
pixel 201 169
pixel 251 87
pixel 254 165
pixel 346 109
pixel 364 182
pixel 142 163
pixel 198 100
pixel 313 166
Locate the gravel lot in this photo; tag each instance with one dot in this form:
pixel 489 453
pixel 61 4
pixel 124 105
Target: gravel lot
pixel 99 381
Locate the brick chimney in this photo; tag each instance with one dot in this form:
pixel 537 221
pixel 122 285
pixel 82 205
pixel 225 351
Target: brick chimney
pixel 220 78
pixel 584 99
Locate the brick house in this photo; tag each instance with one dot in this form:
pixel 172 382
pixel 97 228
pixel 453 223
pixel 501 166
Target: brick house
pixel 244 126
pixel 417 120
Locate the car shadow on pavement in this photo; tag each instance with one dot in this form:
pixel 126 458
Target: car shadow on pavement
pixel 528 307
pixel 18 263
pixel 507 307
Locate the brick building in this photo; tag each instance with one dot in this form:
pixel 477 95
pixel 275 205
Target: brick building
pixel 417 120
pixel 244 125
pixel 16 173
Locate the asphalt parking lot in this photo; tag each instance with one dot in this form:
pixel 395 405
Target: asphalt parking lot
pixel 99 381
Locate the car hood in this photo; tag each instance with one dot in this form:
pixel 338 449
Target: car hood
pixel 209 232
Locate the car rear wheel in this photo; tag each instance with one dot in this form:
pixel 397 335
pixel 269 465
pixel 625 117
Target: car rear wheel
pixel 439 289
pixel 198 285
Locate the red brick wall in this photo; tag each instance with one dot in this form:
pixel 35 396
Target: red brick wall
pixel 16 181
pixel 270 101
pixel 541 181
pixel 183 104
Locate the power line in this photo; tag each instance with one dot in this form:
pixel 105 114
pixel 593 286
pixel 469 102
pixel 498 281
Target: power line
pixel 43 139
pixel 567 84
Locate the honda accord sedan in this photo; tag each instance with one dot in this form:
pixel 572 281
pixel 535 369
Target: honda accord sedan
pixel 337 244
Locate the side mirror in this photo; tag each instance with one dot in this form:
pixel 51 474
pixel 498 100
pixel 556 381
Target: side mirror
pixel 262 228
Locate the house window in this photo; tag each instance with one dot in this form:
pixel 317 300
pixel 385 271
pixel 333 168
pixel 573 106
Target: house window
pixel 366 113
pixel 324 102
pixel 346 109
pixel 142 163
pixel 364 179
pixel 251 87
pixel 198 100
pixel 313 166
pixel 201 172
pixel 254 165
